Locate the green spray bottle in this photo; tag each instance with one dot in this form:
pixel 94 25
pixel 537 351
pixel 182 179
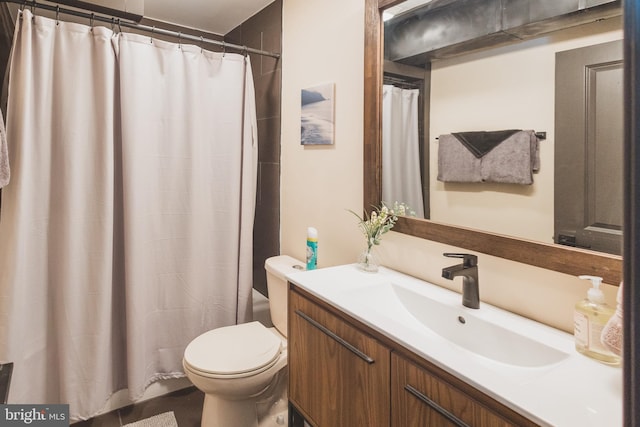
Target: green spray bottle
pixel 312 248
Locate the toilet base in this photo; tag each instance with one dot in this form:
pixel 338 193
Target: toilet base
pixel 273 407
pixel 267 409
pixel 218 412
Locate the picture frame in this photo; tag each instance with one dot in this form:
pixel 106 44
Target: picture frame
pixel 317 117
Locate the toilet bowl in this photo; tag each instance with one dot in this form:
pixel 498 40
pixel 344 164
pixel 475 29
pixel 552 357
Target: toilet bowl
pixel 241 368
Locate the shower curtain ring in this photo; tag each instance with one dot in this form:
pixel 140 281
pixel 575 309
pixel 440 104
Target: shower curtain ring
pixel 93 15
pixel 57 14
pixel 21 10
pixel 201 44
pixel 153 29
pixel 179 40
pixel 119 27
pixel 224 48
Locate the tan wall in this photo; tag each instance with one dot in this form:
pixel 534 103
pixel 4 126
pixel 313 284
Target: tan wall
pixel 510 87
pixel 323 41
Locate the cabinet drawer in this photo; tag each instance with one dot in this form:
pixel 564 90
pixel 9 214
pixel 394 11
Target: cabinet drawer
pixel 422 399
pixel 338 376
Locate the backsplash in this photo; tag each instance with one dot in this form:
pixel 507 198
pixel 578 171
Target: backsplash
pixel 536 293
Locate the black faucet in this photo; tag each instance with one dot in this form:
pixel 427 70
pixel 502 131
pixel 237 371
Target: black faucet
pixel 469 272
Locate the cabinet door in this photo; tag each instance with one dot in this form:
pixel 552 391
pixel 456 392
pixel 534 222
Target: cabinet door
pixel 421 399
pixel 338 376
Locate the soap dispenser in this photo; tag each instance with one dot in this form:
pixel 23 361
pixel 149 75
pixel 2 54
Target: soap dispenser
pixel 590 317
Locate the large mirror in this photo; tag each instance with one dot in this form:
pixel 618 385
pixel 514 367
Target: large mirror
pixel 450 65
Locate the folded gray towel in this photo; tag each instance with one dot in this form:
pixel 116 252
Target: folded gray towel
pixel 455 162
pixel 5 173
pixel 513 161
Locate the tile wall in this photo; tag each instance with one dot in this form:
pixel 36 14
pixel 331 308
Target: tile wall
pixel 264 31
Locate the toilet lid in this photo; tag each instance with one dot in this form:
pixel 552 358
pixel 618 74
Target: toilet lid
pixel 232 350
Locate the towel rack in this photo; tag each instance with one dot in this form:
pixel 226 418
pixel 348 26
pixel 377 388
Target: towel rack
pixel 540 135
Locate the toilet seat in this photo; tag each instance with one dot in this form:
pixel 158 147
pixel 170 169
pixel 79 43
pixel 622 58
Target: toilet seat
pixel 233 351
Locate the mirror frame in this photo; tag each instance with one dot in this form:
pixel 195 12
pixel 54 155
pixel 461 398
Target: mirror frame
pixel 563 259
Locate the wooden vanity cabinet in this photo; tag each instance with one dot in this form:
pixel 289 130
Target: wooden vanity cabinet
pixel 344 374
pixel 338 375
pixel 422 397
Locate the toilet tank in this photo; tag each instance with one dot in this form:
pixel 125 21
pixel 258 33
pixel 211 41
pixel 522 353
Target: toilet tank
pixel 277 268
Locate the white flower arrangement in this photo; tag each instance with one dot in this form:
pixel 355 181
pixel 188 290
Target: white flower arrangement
pixel 374 225
pixel 381 220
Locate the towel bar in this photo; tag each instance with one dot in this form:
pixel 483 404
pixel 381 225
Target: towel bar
pixel 540 135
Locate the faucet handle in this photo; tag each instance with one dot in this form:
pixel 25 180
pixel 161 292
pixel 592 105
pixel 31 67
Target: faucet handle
pixel 468 260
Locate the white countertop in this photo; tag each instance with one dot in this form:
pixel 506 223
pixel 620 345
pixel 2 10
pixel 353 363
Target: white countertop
pixel 577 391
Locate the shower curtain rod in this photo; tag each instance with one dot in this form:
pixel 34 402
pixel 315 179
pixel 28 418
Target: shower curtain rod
pixel 141 27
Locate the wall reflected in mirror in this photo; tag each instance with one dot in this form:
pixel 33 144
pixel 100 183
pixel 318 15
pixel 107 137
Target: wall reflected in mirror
pixel 511 86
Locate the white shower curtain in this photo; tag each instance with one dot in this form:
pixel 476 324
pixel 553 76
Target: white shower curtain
pixel 126 228
pixel 401 180
pixel 184 114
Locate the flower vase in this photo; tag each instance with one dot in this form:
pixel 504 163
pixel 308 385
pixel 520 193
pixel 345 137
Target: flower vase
pixel 367 261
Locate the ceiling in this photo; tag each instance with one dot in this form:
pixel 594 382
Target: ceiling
pixel 215 16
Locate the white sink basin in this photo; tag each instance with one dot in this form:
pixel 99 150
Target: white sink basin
pixel 530 367
pixel 488 332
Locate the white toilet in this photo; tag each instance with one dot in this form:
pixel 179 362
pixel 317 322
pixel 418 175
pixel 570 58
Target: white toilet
pixel 240 367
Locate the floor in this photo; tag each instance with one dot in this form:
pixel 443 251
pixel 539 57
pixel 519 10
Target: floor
pixel 186 405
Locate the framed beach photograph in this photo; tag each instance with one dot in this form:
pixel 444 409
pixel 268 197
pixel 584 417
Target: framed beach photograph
pixel 317 115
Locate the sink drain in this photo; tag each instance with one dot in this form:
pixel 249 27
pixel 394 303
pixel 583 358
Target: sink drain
pixel 461 320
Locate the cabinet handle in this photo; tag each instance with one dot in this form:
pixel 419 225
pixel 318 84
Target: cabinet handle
pixel 439 409
pixel 340 340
